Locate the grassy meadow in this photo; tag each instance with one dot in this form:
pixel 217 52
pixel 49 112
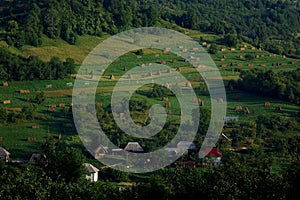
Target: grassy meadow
pixel 15 135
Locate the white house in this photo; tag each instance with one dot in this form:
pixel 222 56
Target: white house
pixel 92 172
pixel 4 154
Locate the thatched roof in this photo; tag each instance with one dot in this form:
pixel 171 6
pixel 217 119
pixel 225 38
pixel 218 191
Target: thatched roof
pixel 4 152
pixel 90 168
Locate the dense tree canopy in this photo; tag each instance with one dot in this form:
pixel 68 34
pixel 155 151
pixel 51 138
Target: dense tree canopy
pixel 272 24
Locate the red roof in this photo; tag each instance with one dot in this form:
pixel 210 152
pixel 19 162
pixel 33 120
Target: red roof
pixel 212 152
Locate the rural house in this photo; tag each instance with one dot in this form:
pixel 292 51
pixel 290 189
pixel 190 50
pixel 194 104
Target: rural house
pixel 92 172
pixel 100 152
pixel 4 154
pixel 212 158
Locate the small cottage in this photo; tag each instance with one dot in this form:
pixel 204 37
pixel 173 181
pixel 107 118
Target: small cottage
pixel 4 154
pixel 92 172
pixel 101 151
pixel 212 158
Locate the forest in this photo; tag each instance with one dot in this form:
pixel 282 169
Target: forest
pixel 282 85
pixel 270 24
pixel 18 68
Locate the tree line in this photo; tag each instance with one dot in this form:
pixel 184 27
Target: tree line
pixel 18 68
pixel 272 25
pixel 281 85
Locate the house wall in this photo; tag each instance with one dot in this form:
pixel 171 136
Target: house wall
pixel 94 177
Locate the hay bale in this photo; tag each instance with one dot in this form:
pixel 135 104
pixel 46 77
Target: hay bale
pixel 240 65
pixel 257 56
pixel 184 50
pixel 168 105
pixel 223 49
pixel 250 65
pixel 224 65
pixel 5 102
pixel 262 65
pixel 163 62
pixel 222 59
pixel 246 111
pixel 24 91
pixel 51 109
pixel 196 100
pixel 202 103
pixel 31 139
pixel 293 62
pixel 253 48
pixel 143 65
pixel 35 126
pixel 204 44
pixel 208 45
pixel 232 49
pixel 236 108
pixel 165 99
pixel 61 105
pixel 166 50
pixel 180 47
pixel 112 77
pixel 174 60
pixel 278 108
pixel 242 49
pixel 267 104
pixel 195 49
pixel 220 100
pixel 5 84
pixel 188 84
pixel 241 56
